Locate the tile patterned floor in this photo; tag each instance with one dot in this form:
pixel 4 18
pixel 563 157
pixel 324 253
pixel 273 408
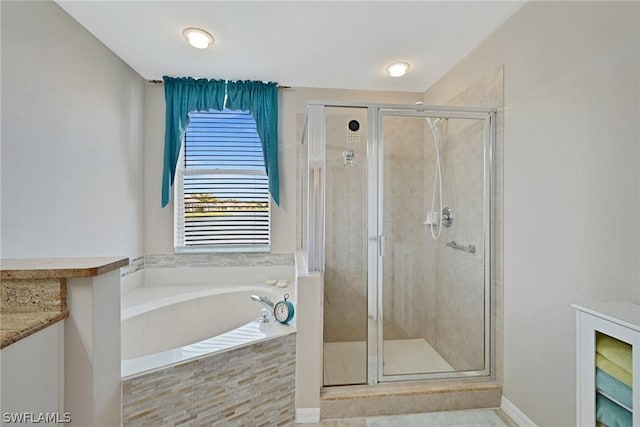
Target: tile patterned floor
pixel 470 418
pixel 345 362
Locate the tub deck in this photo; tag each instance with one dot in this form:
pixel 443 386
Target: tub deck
pixel 168 314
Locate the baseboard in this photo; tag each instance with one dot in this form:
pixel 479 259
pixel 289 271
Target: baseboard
pixel 307 415
pixel 516 414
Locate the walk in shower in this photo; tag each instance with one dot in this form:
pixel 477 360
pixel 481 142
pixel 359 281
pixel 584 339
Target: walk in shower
pixel 396 211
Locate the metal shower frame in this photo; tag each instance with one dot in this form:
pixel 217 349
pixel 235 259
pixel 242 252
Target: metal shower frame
pixel 315 202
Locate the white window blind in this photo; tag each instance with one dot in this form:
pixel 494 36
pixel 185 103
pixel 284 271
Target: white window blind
pixel 222 199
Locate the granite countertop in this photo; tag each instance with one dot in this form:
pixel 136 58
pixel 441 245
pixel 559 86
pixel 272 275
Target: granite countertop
pixel 54 268
pixel 34 291
pixel 16 326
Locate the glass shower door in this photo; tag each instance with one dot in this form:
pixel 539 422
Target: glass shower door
pixel 345 264
pixel 433 268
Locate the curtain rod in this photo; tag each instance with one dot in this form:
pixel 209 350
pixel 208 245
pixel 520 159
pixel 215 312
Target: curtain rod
pixel 156 82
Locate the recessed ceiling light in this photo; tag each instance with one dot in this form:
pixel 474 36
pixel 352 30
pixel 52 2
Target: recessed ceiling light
pixel 197 37
pixel 398 69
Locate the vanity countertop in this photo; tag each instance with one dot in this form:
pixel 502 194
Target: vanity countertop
pixel 58 268
pixel 34 291
pixel 16 326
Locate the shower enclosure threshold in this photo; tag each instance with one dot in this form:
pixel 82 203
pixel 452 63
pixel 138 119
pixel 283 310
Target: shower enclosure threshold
pixel 409 397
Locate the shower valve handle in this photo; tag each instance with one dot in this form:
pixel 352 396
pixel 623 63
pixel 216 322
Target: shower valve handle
pixel 447 217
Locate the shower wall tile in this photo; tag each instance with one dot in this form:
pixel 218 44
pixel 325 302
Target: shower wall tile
pixel 460 295
pixel 429 245
pixel 460 275
pixel 406 299
pixel 345 278
pixel 430 290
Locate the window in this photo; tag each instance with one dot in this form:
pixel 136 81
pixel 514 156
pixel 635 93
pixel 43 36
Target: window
pixel 222 190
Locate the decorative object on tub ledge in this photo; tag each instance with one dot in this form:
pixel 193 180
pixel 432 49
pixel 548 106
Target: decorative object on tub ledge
pixel 186 94
pixel 283 310
pixel 282 283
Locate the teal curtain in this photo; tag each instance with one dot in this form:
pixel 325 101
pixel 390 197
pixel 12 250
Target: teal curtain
pixel 261 100
pixel 185 94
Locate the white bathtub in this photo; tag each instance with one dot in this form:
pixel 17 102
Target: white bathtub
pixel 165 326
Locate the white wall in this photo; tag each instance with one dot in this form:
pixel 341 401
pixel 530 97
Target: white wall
pixel 571 182
pixel 71 140
pixel 158 221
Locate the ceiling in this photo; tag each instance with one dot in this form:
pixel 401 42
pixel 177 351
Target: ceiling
pixel 323 44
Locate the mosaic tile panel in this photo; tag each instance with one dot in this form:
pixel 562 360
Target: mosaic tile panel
pixel 217 260
pixel 134 266
pixel 249 386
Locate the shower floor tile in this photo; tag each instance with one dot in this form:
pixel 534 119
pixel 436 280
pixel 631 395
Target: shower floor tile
pixel 413 356
pixel 346 362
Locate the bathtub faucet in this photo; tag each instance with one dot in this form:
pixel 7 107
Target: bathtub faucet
pixel 263 300
pixel 264 315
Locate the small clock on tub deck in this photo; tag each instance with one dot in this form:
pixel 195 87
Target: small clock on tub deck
pixel 283 310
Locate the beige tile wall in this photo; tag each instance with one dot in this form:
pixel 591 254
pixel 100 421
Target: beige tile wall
pixel 408 271
pixel 345 277
pixel 345 296
pixel 459 335
pixel 460 275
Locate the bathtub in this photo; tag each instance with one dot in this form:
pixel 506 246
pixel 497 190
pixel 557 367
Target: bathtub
pixel 166 326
